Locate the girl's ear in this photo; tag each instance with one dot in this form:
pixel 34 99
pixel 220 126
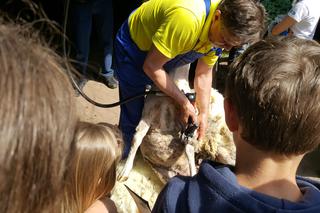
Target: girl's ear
pixel 231 115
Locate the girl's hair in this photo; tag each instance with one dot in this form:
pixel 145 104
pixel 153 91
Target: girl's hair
pixel 37 123
pixel 92 172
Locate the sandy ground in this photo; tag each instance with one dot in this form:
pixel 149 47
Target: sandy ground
pixel 102 94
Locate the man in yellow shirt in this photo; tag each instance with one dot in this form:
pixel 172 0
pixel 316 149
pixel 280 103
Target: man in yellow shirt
pixel 164 34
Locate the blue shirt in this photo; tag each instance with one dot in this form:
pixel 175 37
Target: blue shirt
pixel 215 189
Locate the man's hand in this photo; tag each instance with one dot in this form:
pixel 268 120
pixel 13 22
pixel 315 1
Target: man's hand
pixel 188 110
pixel 203 123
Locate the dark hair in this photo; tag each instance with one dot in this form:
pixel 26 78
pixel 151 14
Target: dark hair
pixel 244 18
pixel 37 124
pixel 275 89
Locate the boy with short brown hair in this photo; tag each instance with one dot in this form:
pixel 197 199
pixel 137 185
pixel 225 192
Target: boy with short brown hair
pixel 272 107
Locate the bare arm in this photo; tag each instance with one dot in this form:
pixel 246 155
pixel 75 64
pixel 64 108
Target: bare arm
pixel 202 83
pixel 284 25
pixel 153 68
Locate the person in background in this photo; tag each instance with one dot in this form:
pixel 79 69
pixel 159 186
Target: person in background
pixel 38 119
pixel 84 15
pixel 162 35
pixel 301 20
pixel 92 172
pixel 271 106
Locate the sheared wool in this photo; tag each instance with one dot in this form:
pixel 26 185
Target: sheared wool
pixel 142 181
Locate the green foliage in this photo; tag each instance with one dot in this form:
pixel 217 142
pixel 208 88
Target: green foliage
pixel 276 7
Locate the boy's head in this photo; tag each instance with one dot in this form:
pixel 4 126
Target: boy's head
pixel 274 90
pixel 236 22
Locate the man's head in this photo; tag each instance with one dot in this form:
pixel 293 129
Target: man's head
pixel 273 91
pixel 236 22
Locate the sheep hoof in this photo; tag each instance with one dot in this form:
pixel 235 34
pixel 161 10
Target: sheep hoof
pixel 122 178
pixel 124 174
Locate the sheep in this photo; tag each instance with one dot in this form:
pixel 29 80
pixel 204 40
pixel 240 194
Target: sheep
pixel 160 131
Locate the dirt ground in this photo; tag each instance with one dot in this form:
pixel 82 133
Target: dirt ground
pixel 102 94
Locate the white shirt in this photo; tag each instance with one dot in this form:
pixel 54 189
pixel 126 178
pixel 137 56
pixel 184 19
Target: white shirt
pixel 306 13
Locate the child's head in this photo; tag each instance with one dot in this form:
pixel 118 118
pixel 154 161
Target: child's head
pixel 236 22
pixel 274 87
pixel 92 172
pixel 37 122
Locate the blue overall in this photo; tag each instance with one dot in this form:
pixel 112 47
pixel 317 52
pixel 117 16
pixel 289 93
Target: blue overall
pixel 129 60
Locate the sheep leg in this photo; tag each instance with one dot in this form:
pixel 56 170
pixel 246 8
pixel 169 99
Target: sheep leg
pixel 141 131
pixel 191 160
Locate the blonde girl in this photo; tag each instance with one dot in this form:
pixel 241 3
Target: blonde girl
pixel 92 172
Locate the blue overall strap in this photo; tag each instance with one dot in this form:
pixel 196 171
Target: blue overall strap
pixel 208 4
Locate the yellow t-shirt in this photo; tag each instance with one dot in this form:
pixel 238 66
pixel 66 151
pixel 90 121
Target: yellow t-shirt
pixel 174 27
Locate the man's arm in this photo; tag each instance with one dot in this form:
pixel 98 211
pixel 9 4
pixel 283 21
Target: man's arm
pixel 282 26
pixel 202 84
pixel 153 68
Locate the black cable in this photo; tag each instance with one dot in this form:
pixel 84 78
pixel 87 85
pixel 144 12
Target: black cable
pixel 123 101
